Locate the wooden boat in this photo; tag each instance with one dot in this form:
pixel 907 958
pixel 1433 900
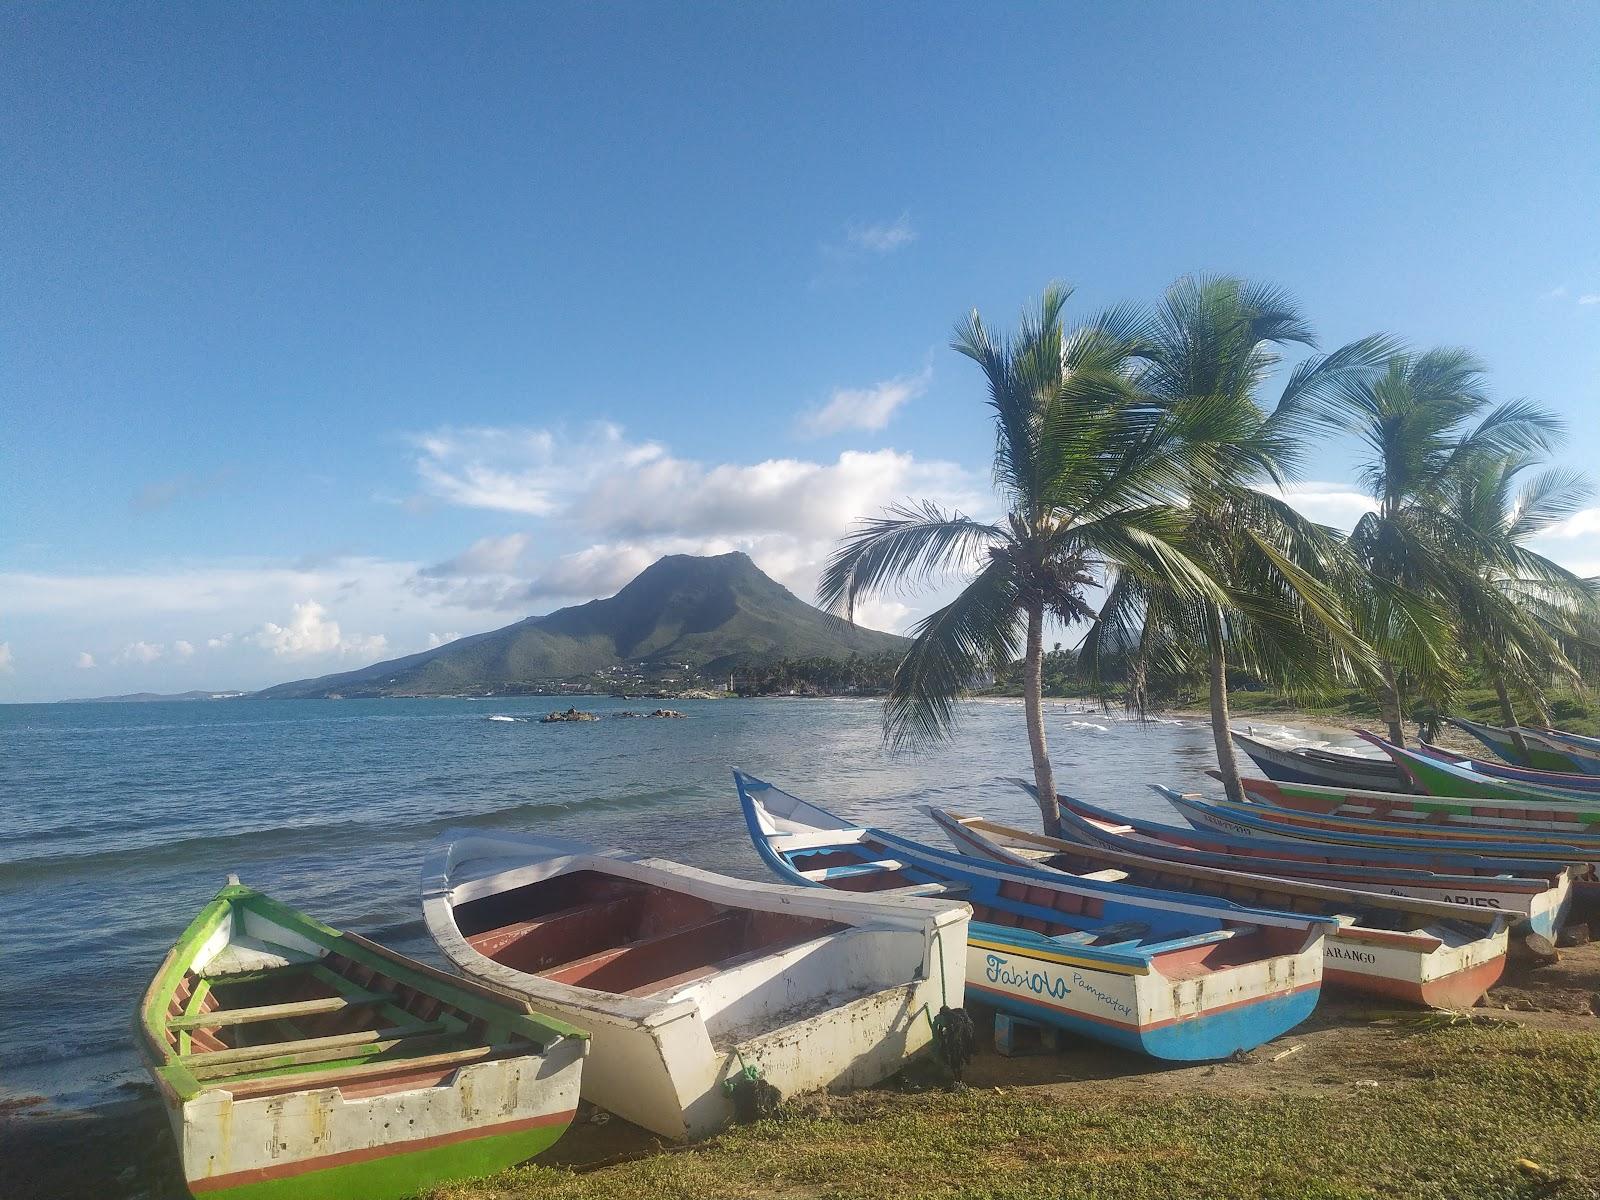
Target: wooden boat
pixel 1177 977
pixel 1413 951
pixel 1308 765
pixel 1266 820
pixel 1583 751
pixel 685 978
pixel 1536 895
pixel 1545 753
pixel 1566 781
pixel 1548 822
pixel 300 1062
pixel 1441 775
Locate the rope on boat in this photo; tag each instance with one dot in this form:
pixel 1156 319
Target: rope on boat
pixel 955 1037
pixel 753 1097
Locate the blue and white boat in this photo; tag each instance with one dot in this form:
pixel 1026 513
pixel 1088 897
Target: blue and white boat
pixel 1536 895
pixel 1175 976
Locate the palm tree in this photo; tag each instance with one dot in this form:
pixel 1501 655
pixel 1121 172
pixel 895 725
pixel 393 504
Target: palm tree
pixel 1526 618
pixel 1085 468
pixel 1211 344
pixel 1427 426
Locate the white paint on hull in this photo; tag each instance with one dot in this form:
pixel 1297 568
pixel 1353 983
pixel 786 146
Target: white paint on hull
pixel 845 1008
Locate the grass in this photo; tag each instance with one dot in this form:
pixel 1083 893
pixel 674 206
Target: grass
pixel 1568 711
pixel 1454 1111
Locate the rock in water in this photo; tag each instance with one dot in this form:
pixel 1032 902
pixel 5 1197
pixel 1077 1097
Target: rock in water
pixel 572 714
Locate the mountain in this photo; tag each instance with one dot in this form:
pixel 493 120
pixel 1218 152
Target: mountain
pixel 712 615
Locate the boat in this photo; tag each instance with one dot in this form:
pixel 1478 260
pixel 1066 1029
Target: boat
pixel 1583 751
pixel 1507 819
pixel 1545 751
pixel 1307 765
pixel 1265 820
pixel 1535 894
pixel 685 979
pixel 298 1061
pixel 1182 978
pixel 1567 781
pixel 1422 952
pixel 1441 775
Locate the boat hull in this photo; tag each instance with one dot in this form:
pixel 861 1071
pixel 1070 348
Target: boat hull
pixel 1513 817
pixel 1439 775
pixel 234 1149
pixel 1537 894
pixel 1174 994
pixel 1255 820
pixel 1586 785
pixel 1543 754
pixel 395 1076
pixel 1193 1020
pixel 1426 965
pixel 1286 766
pixel 843 1004
pixel 1463 820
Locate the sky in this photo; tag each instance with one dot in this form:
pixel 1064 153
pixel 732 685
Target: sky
pixel 331 332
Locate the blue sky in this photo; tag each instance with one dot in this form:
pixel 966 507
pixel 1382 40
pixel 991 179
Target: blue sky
pixel 328 332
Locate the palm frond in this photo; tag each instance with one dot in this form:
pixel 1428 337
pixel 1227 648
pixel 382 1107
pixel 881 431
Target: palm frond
pixel 977 632
pixel 909 545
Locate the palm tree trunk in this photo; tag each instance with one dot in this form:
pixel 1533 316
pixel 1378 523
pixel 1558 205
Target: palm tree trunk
pixel 1044 777
pixel 1508 714
pixel 1221 732
pixel 1389 702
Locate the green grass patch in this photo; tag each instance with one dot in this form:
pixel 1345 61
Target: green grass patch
pixel 1453 1112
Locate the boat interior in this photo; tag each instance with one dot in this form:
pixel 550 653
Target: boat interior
pixel 1066 918
pixel 599 931
pixel 1257 891
pixel 261 1018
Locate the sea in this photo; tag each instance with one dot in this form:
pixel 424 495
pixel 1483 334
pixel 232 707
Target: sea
pixel 121 820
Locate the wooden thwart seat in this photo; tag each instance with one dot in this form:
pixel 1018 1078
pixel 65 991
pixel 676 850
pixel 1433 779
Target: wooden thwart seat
pixel 278 1012
pixel 882 864
pixel 207 1060
pixel 300 1081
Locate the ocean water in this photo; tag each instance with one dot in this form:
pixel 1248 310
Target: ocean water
pixel 121 820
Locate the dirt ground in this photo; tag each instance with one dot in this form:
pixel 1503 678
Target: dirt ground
pixel 124 1151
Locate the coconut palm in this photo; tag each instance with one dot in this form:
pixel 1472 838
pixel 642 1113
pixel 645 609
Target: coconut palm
pixel 1427 425
pixel 1213 343
pixel 1086 469
pixel 1527 619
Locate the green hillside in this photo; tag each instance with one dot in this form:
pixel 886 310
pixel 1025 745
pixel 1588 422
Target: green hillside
pixel 713 615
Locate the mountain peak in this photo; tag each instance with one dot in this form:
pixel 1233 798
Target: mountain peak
pixel 708 614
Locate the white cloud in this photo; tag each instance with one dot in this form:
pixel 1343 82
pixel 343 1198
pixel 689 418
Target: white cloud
pixel 85 661
pixel 1337 504
pixel 221 642
pixel 7 666
pixel 140 652
pixel 435 640
pixel 1582 523
pixel 882 237
pixel 866 408
pixel 486 556
pixel 311 632
pixel 519 470
pixel 183 649
pixel 1589 298
pixel 889 615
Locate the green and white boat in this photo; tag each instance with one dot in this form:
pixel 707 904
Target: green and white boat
pixel 296 1061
